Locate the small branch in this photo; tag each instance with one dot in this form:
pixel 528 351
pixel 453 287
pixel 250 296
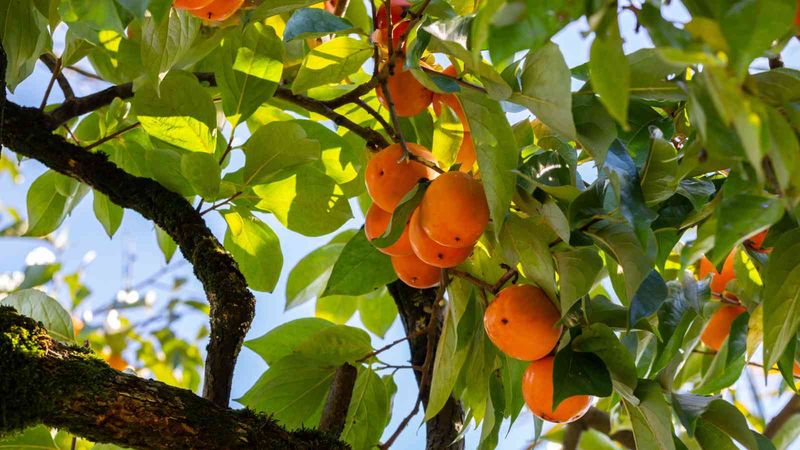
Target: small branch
pixel 390 345
pixel 221 204
pixel 341 7
pixel 776 62
pixel 430 330
pixel 493 288
pixel 791 408
pixel 334 413
pixel 55 66
pixel 371 111
pixel 113 135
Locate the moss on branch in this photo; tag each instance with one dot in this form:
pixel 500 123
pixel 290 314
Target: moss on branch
pixel 68 387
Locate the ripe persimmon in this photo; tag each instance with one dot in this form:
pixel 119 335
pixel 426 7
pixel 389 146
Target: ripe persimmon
pixel 375 224
pixel 450 100
pixel 796 369
pixel 466 153
pixel 190 5
pixel 718 280
pixel 117 362
pixel 719 326
pixel 409 96
pixel 415 273
pixel 381 35
pixel 218 10
pixel 388 179
pixel 454 211
pixel 756 242
pixel 429 251
pixel 522 322
pixel 537 390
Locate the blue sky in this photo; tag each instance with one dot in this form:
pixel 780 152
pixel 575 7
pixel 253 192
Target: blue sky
pixel 136 238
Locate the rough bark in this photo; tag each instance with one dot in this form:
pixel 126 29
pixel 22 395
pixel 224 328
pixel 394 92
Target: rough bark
pixel 334 413
pixel 25 131
pixel 791 408
pixel 68 387
pixel 414 306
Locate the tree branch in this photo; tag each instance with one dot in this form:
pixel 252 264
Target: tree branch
pixel 24 130
pixel 791 408
pixel 79 106
pixel 68 387
pixel 334 413
pixel 54 64
pixel 414 307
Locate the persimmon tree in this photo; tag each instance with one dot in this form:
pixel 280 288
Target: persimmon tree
pixel 616 259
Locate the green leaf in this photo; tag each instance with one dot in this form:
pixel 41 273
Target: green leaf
pixel 377 312
pixel 166 244
pixel 545 89
pixel 401 215
pixel 610 74
pixel 108 213
pixel 577 270
pixel 248 68
pixel 739 216
pixel 313 22
pixel 183 115
pixel 331 62
pixel 164 166
pixel 39 306
pixel 336 345
pixel 281 341
pixel 577 373
pixel 360 269
pixel 648 298
pixel 618 239
pixel 23 31
pixel 255 248
pixel 38 438
pixel 601 340
pixel 292 390
pixel 659 172
pixel 496 150
pixel 203 173
pixel 336 308
pixel 308 202
pixel 525 242
pixel 750 28
pixel 781 296
pixel 692 410
pixel 269 8
pixel 47 208
pixel 275 147
pixel 165 42
pixel 727 364
pixel 38 275
pixel 368 413
pixel 308 278
pixel 595 127
pixel 651 419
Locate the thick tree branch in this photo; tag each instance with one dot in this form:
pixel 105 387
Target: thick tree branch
pixel 78 106
pixel 414 306
pixel 68 387
pixel 791 408
pixel 24 130
pixel 334 413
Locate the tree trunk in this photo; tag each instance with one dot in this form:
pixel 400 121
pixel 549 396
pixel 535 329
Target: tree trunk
pixel 415 306
pixel 68 387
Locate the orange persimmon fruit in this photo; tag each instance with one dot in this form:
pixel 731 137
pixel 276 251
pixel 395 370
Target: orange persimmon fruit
pixel 389 180
pixel 190 5
pixel 719 326
pixel 409 96
pixel 718 280
pixel 218 10
pixel 415 273
pixel 454 211
pixel 375 224
pixel 429 251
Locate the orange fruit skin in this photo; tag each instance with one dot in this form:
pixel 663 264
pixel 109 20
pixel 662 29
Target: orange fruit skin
pixel 375 224
pixel 796 369
pixel 718 280
pixel 117 362
pixel 218 10
pixel 431 252
pixel 757 242
pixel 190 5
pixel 381 36
pixel 466 153
pixel 389 180
pixel 522 322
pixel 409 96
pixel 415 273
pixel 537 390
pixel 454 211
pixel 719 326
pixel 398 7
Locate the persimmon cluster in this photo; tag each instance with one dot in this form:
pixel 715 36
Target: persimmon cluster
pixel 441 231
pixel 209 10
pixel 524 324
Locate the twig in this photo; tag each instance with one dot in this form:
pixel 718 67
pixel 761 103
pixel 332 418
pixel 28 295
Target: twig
pixel 390 366
pixel 223 203
pixel 341 7
pixel 112 136
pixel 371 111
pixel 493 288
pixel 85 73
pixel 49 88
pixel 55 66
pixel 391 344
pixel 429 351
pixel 791 408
